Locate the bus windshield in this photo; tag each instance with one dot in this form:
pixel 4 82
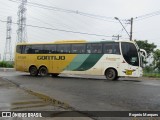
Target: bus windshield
pixel 130 53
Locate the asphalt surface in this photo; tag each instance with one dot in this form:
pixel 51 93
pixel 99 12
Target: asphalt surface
pixel 15 98
pixel 93 93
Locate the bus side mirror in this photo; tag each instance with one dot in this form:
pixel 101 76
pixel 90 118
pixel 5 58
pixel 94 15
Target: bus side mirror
pixel 143 53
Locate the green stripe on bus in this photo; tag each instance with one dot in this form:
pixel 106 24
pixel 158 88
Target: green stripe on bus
pixel 89 62
pixel 77 61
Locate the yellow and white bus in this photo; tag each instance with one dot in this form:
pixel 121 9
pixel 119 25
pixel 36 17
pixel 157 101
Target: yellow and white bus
pixel 110 58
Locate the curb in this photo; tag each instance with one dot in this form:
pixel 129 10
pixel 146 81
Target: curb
pixel 7 69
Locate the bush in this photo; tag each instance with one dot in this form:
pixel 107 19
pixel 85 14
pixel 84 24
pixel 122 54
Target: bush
pixel 148 69
pixel 6 64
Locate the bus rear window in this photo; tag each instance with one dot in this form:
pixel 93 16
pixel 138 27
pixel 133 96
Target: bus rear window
pixel 32 49
pixel 19 49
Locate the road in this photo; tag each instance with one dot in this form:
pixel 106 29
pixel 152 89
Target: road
pixel 93 93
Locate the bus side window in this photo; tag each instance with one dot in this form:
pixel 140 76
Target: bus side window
pixel 26 49
pixel 64 48
pixel 96 48
pixel 108 48
pixel 111 48
pixel 88 48
pixel 78 48
pixel 49 49
pixel 29 50
pixel 23 49
pixel 36 49
pixel 116 49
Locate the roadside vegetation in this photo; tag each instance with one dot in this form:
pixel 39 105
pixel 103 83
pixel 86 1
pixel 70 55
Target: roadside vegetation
pixel 155 75
pixel 5 64
pixel 149 71
pixel 152 63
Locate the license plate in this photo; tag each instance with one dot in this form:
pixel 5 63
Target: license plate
pixel 129 72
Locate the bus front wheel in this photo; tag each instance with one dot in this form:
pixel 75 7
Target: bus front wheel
pixel 111 74
pixel 43 71
pixel 33 71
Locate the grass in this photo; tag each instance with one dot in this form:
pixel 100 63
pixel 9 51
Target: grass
pixel 6 64
pixel 156 75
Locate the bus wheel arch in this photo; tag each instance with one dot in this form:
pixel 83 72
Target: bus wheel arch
pixel 33 70
pixel 43 71
pixel 111 73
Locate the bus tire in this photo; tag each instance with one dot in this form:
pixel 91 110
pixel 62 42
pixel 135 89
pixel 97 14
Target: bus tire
pixel 33 71
pixel 43 71
pixel 54 74
pixel 111 74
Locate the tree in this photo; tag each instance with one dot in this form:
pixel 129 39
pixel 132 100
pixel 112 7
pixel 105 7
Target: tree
pixel 149 47
pixel 156 56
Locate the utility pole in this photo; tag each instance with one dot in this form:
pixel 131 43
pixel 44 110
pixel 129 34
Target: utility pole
pixel 22 32
pixel 131 30
pixel 8 48
pixel 122 25
pixel 116 36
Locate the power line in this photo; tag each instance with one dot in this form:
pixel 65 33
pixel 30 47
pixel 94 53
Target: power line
pixel 50 25
pixel 66 30
pixel 61 30
pixel 100 17
pixel 147 15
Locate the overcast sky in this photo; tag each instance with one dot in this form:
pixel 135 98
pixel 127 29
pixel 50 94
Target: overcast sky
pixel 143 29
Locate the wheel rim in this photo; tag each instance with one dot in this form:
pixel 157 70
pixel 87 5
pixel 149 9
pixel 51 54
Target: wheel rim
pixel 110 74
pixel 43 71
pixel 33 71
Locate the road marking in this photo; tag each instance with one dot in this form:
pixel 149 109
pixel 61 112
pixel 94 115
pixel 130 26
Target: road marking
pixel 71 75
pixel 32 106
pixel 27 102
pixel 152 84
pixel 48 99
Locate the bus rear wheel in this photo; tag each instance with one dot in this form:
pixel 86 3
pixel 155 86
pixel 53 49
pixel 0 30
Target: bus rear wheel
pixel 43 71
pixel 111 74
pixel 33 71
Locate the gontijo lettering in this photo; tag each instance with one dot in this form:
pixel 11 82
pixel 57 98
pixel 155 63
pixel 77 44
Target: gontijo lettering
pixel 50 57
